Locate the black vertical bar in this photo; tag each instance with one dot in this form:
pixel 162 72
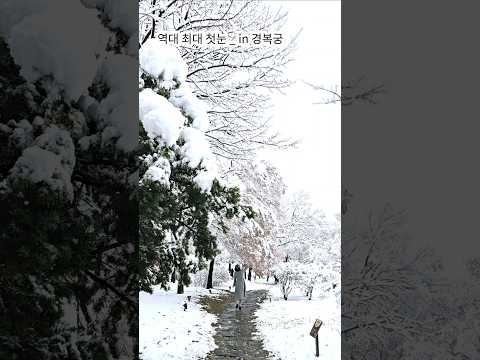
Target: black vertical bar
pixel 153 21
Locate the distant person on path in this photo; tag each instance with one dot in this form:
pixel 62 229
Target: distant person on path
pixel 239 284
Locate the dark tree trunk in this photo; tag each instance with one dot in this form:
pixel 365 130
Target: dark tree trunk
pixel 174 277
pixel 249 274
pixel 268 277
pixel 180 288
pixel 286 259
pixel 276 279
pixel 230 268
pixel 210 274
pixel 153 21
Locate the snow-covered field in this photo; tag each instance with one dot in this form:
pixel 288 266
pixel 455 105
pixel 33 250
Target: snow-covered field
pixel 285 325
pixel 169 332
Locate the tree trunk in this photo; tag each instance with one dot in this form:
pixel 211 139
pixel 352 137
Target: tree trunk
pixel 249 274
pixel 174 278
pixel 268 277
pixel 286 259
pixel 276 279
pixel 153 21
pixel 180 288
pixel 210 274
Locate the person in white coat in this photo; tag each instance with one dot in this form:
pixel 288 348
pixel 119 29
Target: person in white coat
pixel 240 287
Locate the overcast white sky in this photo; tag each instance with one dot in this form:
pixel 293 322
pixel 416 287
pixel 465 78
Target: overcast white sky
pixel 315 165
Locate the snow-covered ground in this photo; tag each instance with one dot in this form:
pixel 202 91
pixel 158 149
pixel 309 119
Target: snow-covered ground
pixel 169 332
pixel 285 325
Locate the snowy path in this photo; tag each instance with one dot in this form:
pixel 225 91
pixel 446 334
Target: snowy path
pixel 236 333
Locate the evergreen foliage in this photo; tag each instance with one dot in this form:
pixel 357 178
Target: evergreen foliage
pixel 175 216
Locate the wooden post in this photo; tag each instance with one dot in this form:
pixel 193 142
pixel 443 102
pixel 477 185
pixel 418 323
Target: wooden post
pixel 314 333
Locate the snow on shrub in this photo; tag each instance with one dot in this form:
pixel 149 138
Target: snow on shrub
pixel 305 276
pixel 288 275
pixel 310 275
pixel 199 279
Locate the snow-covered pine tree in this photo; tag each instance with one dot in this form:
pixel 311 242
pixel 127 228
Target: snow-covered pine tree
pixel 179 192
pixel 68 131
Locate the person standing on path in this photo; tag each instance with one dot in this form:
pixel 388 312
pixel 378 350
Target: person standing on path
pixel 240 287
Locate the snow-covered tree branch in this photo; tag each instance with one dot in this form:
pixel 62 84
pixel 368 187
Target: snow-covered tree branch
pixel 235 81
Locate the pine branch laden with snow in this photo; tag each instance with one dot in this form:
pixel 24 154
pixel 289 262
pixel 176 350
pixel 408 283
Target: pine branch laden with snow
pixel 49 160
pixel 167 120
pixel 68 132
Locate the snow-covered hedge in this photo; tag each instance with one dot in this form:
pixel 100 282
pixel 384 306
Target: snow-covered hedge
pixel 305 276
pixel 288 275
